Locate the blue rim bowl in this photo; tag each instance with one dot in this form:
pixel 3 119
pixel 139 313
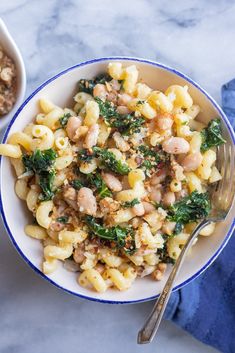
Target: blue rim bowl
pixel 138 60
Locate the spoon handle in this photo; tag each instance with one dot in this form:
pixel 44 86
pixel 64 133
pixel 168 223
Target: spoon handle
pixel 148 331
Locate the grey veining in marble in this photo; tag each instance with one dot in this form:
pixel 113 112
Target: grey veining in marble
pixel 194 36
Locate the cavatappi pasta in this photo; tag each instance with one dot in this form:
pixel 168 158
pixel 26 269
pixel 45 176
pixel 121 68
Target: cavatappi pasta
pixel 117 182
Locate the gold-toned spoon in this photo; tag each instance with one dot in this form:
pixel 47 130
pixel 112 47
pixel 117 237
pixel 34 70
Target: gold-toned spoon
pixel 222 197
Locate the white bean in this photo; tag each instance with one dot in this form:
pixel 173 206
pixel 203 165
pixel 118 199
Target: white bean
pixel 138 209
pixel 192 161
pixel 148 207
pixel 164 122
pixel 92 136
pixel 70 193
pixel 112 182
pixel 87 201
pixel 175 145
pixel 124 99
pixel 169 198
pixel 158 178
pixel 73 124
pixel 100 91
pixel 112 97
pixel 121 144
pixel 156 195
pixel 122 109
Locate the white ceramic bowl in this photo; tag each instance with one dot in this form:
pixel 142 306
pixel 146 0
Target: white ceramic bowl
pixel 10 47
pixel 60 89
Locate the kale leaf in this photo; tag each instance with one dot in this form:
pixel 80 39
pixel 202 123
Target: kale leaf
pixel 42 164
pixel 39 161
pixel 152 158
pixel 76 184
pixel 87 86
pixel 126 124
pixel 189 209
pixel 92 180
pixel 123 237
pixel 109 161
pixel 64 119
pixel 132 203
pixel 212 135
pixel 97 181
pixel 164 256
pixel 107 109
pixel 46 180
pixel 178 228
pixel 85 155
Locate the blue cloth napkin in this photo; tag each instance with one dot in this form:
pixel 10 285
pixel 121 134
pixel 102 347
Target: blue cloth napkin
pixel 206 307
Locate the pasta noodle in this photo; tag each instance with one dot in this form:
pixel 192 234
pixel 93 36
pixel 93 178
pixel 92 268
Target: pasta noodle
pixel 111 180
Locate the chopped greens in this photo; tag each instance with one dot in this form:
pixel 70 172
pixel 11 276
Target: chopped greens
pixel 158 204
pixel 178 228
pixel 76 184
pixel 42 164
pixel 164 256
pixel 85 155
pixel 64 119
pixel 62 219
pixel 93 180
pixel 121 84
pixel 123 237
pixel 189 209
pixel 46 180
pixel 152 158
pixel 102 78
pixel 107 158
pixel 107 109
pixel 39 161
pixel 97 181
pixel 87 86
pixel 212 135
pixel 109 161
pixel 126 124
pixel 129 204
pixel 140 102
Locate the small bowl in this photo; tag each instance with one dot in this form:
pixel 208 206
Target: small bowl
pixel 10 48
pixel 60 89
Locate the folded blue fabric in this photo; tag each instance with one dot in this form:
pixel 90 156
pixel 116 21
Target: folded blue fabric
pixel 206 307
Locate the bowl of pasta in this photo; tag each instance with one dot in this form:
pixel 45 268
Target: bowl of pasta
pixel 108 166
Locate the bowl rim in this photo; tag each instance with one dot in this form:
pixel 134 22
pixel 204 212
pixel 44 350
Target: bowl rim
pixel 21 73
pixel 63 72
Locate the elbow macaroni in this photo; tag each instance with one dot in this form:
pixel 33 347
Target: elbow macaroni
pixel 92 113
pixel 43 212
pixel 20 138
pixel 9 150
pixel 44 138
pixel 105 220
pixel 181 97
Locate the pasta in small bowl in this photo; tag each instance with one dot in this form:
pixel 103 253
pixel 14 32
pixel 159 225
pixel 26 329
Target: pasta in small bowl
pixel 113 160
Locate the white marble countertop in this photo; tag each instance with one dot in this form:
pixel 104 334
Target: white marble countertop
pixel 196 37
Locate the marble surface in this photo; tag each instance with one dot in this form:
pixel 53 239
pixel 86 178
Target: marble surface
pixel 194 36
